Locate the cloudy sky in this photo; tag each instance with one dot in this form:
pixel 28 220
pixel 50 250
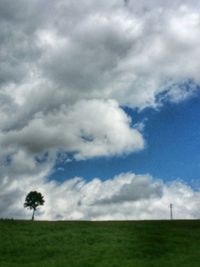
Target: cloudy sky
pixel 100 108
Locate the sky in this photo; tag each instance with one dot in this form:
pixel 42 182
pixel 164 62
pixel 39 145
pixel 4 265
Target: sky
pixel 100 108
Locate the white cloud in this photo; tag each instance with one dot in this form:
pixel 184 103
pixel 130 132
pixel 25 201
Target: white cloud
pixel 127 56
pixel 88 51
pixel 71 53
pixel 100 50
pixel 87 129
pixel 17 176
pixel 126 196
pixel 66 68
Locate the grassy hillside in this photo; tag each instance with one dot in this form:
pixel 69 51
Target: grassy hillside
pixel 100 244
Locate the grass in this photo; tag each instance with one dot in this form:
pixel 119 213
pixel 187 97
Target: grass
pixel 100 244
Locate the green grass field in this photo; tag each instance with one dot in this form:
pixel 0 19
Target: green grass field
pixel 100 244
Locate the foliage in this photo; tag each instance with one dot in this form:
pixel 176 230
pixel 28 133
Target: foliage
pixel 100 244
pixel 33 200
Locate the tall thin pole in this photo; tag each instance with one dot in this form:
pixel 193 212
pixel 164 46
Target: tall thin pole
pixel 171 211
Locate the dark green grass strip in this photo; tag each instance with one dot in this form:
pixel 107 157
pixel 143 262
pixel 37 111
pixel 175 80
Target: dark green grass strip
pixel 100 244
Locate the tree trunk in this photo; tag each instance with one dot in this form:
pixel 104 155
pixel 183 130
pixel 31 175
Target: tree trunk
pixel 33 214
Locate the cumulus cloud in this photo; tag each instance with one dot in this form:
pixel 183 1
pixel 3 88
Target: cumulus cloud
pixel 59 55
pixel 126 196
pixel 87 129
pixel 137 188
pixel 18 174
pixel 127 56
pixel 66 70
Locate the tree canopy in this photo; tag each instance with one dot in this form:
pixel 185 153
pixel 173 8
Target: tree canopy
pixel 33 200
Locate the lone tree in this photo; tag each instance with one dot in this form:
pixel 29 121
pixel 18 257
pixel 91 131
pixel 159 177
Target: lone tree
pixel 33 200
